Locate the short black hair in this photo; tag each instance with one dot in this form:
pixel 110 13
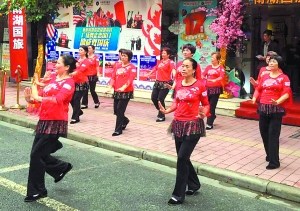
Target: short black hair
pixel 128 53
pixel 280 61
pixel 93 47
pixel 190 47
pixel 121 50
pixel 70 61
pixel 268 32
pixel 167 50
pixel 85 48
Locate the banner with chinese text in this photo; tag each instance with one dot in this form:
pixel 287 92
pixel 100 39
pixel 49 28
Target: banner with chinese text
pixel 109 25
pixel 18 43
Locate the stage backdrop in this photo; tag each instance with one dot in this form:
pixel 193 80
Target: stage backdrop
pixel 110 25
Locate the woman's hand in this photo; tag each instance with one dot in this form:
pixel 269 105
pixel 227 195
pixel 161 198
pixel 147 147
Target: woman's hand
pixel 27 94
pixel 34 92
pixel 161 108
pixel 253 82
pixel 121 89
pixel 201 112
pixel 168 86
pixel 274 102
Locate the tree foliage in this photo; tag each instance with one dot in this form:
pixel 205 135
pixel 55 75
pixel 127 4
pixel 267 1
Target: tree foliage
pixel 37 10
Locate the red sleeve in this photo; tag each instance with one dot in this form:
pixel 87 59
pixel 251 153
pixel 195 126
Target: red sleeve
pixel 132 75
pixel 113 76
pixel 204 100
pixel 204 73
pixel 287 90
pixel 172 65
pixel 198 72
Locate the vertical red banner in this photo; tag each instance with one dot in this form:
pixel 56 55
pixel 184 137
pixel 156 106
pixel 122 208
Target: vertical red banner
pixel 18 42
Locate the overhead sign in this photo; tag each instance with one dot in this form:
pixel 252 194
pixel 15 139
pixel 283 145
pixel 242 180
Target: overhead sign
pixel 272 2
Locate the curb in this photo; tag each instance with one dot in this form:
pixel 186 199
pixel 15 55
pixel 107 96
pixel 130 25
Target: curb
pixel 227 176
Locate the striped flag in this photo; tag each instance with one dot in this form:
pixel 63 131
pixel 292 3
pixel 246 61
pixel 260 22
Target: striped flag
pixel 50 30
pixel 78 16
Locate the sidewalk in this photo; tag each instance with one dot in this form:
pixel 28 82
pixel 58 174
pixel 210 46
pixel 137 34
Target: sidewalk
pixel 233 150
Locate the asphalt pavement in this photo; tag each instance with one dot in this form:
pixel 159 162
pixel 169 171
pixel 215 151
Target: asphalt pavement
pixel 105 180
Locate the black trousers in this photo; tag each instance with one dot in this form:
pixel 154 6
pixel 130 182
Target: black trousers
pixel 40 162
pixel 120 106
pixel 159 95
pixel 75 102
pixel 92 84
pixel 270 128
pixel 213 101
pixel 186 176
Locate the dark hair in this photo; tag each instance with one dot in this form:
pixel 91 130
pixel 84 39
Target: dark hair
pixel 121 50
pixel 70 61
pixel 93 47
pixel 193 61
pixel 85 48
pixel 167 50
pixel 128 53
pixel 280 61
pixel 218 55
pixel 190 47
pixel 268 32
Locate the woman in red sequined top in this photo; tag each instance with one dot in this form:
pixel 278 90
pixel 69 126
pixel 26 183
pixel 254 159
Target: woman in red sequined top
pixel 263 70
pixel 81 83
pixel 164 71
pixel 93 78
pixel 190 106
pixel 52 124
pixel 122 83
pixel 273 92
pixel 214 75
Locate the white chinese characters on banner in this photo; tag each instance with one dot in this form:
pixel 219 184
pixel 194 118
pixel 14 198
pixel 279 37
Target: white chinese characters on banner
pixel 18 22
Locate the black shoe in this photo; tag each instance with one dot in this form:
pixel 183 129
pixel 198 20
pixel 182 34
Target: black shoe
pixel 59 145
pixel 209 127
pixel 35 197
pixel 116 133
pixel 125 125
pixel 61 176
pixel 160 119
pixel 74 121
pixel 173 201
pixel 80 113
pixel 97 105
pixel 191 192
pixel 84 106
pixel 270 166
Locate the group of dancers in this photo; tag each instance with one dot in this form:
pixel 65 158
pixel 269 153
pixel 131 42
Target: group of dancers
pixel 195 96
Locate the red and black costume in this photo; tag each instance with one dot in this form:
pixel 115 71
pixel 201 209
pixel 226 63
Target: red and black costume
pixel 122 75
pixel 214 89
pixel 81 85
pixel 52 124
pixel 92 78
pixel 270 116
pixel 187 128
pixel 163 71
